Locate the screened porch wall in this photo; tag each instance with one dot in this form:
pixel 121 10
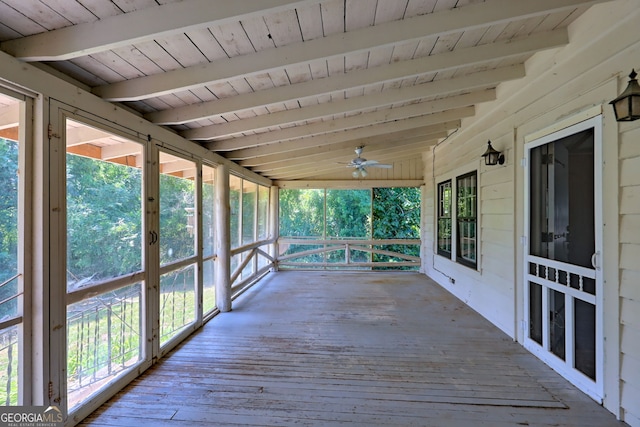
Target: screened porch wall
pixel 46 373
pixel 562 86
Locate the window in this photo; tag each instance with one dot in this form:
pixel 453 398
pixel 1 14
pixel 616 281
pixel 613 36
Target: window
pixel 350 214
pixel 208 230
pixel 249 204
pixel 105 281
pixel 178 256
pixel 396 215
pixel 466 219
pixel 444 219
pixel 12 228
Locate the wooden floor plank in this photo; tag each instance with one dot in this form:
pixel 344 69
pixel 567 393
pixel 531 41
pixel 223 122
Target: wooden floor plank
pixel 335 348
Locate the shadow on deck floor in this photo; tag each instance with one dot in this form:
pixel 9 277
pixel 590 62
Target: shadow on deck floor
pixel 363 349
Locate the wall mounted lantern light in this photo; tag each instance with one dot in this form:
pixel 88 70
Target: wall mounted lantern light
pixel 627 105
pixel 492 156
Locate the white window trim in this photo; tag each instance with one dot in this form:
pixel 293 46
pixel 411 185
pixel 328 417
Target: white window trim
pixel 453 176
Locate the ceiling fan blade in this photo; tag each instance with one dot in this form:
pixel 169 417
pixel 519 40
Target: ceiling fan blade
pixel 380 165
pixel 369 163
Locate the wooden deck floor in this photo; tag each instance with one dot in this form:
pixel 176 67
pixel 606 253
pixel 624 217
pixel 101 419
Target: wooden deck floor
pixel 372 349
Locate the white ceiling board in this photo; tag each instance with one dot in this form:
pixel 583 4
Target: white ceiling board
pixel 287 85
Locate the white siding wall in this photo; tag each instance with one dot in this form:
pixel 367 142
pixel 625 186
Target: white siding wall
pixel 562 85
pixel 630 270
pixel 489 288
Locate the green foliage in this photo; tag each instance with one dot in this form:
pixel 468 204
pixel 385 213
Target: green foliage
pixel 249 203
pixel 348 214
pixel 8 224
pixel 302 213
pixel 396 213
pixel 104 219
pixel 208 218
pixel 177 203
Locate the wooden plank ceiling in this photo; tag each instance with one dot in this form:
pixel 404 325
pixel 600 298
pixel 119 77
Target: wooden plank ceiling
pixel 289 88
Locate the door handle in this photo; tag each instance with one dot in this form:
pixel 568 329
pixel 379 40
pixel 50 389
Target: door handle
pixel 594 260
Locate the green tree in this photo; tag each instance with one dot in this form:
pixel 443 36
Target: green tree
pixel 348 214
pixel 302 213
pixel 396 215
pixel 104 219
pixel 177 203
pixel 8 224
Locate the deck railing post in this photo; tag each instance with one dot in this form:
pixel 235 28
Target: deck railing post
pixel 347 254
pixel 274 224
pixel 223 240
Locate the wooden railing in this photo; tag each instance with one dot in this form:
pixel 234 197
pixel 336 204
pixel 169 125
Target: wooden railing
pixel 250 256
pixel 346 253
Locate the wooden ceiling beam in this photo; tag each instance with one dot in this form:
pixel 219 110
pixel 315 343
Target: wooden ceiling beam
pixel 467 83
pixel 347 152
pixel 358 78
pixel 426 132
pixel 326 169
pixel 263 154
pixel 490 12
pixel 366 119
pixel 139 26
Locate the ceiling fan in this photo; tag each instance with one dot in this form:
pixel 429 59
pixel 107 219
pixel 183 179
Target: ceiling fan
pixel 360 164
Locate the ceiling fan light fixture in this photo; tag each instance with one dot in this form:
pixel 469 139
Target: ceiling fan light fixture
pixel 355 173
pixel 364 173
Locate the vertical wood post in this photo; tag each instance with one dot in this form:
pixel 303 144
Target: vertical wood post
pixel 274 225
pixel 223 240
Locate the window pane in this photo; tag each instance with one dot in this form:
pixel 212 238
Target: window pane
pixel 585 338
pixel 9 286
pixel 177 302
pixel 9 357
pixel 249 207
pixel 444 218
pixel 348 214
pixel 104 206
pixel 208 287
pixel 103 340
pixel 235 191
pixel 263 212
pixel 235 263
pixel 535 312
pixel 562 225
pixel 466 220
pixel 396 215
pixel 177 208
pixel 301 213
pixel 208 210
pixel 557 323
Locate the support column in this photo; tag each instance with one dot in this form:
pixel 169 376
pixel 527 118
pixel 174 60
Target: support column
pixel 274 225
pixel 223 240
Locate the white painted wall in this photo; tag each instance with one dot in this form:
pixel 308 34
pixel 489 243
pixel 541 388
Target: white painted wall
pixel 630 271
pixel 561 86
